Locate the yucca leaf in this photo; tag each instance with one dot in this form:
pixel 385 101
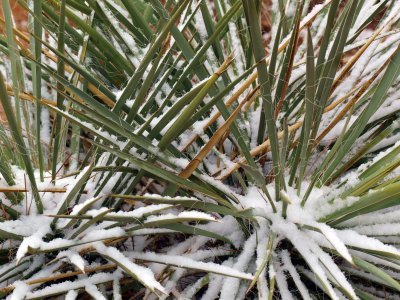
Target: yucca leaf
pixel 20 144
pixel 154 48
pixel 377 272
pixel 149 133
pixel 332 159
pixel 304 143
pixel 75 190
pixel 386 197
pixel 13 52
pixel 60 88
pixel 267 102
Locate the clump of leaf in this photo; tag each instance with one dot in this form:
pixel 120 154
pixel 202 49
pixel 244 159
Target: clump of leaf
pixel 159 149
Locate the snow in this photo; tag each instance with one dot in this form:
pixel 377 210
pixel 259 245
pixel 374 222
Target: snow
pixel 74 258
pixel 314 12
pixel 150 231
pixel 180 162
pixel 231 285
pixel 186 262
pixel 214 287
pixel 378 229
pixel 204 255
pixel 390 105
pixel 228 267
pixel 386 142
pixel 70 285
pixel 93 291
pixel 236 45
pixel 304 245
pixel 376 260
pixel 287 265
pixel 195 215
pixel 337 130
pixel 103 234
pixel 45 126
pixel 227 227
pixel 201 29
pixel 379 293
pixel 263 236
pixel 254 115
pixel 126 36
pixel 191 290
pixel 25 226
pixel 307 242
pixel 21 289
pixel 334 273
pixel 55 244
pixel 116 289
pixel 282 284
pixel 331 235
pixel 390 217
pixel 141 211
pixel 77 210
pixel 36 242
pixel 33 241
pixel 94 213
pixel 369 6
pixel 33 266
pixel 362 274
pixel 144 275
pixel 352 238
pixel 71 295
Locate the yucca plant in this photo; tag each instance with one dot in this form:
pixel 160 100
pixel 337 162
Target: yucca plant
pixel 174 149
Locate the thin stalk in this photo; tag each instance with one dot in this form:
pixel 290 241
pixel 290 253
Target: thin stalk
pixel 13 60
pixel 37 78
pixel 60 89
pixel 265 87
pixel 19 141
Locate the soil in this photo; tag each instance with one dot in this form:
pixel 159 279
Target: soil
pixel 20 16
